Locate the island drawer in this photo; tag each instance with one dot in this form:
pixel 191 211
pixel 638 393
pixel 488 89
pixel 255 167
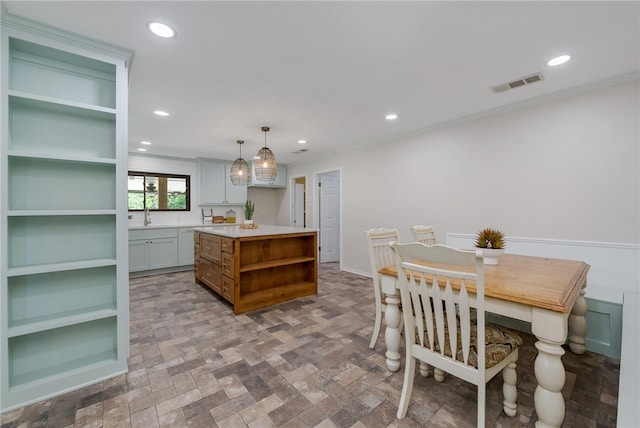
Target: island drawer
pixel 212 276
pixel 227 245
pixel 227 264
pixel 227 288
pixel 210 248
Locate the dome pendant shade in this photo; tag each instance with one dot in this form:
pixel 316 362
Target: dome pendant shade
pixel 240 172
pixel 266 166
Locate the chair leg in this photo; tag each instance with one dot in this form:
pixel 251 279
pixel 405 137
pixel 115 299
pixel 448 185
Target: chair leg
pixel 424 369
pixel 482 403
pixel 509 389
pixel 438 374
pixel 407 386
pixel 376 329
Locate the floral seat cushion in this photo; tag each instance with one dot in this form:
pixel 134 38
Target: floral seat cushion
pixel 499 343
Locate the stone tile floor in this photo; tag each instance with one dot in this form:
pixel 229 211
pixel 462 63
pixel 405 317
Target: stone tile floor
pixel 304 363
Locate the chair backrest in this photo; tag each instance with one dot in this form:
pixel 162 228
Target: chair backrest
pixel 424 234
pixel 380 254
pixel 436 283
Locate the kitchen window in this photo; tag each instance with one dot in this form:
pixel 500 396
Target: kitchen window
pixel 159 192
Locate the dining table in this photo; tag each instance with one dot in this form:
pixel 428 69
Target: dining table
pixel 548 293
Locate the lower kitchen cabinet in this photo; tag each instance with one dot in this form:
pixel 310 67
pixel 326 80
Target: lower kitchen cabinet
pixel 152 249
pixel 159 248
pixel 185 247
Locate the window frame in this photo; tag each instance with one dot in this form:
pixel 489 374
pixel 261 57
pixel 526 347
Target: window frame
pixel 146 174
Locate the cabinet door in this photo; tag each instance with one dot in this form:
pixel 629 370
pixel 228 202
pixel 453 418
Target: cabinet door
pixel 163 253
pixel 215 184
pixel 212 182
pixel 280 181
pixel 236 195
pixel 138 255
pixel 185 247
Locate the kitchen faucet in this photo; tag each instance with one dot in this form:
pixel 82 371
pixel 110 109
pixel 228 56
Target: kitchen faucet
pixel 147 216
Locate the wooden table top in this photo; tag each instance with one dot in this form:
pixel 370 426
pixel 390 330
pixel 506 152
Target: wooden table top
pixel 534 281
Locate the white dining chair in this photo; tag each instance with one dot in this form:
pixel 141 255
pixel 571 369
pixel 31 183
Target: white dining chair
pixel 380 255
pixel 443 297
pixel 424 234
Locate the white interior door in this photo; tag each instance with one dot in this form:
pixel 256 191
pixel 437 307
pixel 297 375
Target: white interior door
pixel 330 217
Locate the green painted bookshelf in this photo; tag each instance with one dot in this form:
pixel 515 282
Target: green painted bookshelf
pixel 64 316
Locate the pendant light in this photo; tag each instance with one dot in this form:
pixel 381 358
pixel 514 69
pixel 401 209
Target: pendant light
pixel 240 171
pixel 266 165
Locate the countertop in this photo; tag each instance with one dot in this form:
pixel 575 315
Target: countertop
pixel 182 226
pixel 262 230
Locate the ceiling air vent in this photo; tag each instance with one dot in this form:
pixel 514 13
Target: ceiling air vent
pixel 527 80
pixel 297 152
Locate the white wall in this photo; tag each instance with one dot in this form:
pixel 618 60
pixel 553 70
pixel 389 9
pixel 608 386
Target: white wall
pixel 166 165
pixel 565 169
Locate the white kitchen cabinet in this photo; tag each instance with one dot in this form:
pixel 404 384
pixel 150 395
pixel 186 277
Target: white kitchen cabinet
pixel 185 247
pixel 279 182
pixel 64 295
pixel 215 187
pixel 152 249
pixel 138 255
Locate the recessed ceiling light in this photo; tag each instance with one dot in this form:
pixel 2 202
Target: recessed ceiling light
pixel 161 113
pixel 161 30
pixel 558 60
pixel 142 150
pixel 391 116
pixel 302 141
pixel 146 143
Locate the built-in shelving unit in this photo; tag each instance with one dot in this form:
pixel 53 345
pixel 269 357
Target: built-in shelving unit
pixel 64 292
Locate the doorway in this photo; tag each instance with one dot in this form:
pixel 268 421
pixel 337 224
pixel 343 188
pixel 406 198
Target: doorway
pixel 328 185
pixel 299 204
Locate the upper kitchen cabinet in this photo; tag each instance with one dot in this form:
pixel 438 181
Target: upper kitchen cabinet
pixel 215 187
pixel 64 290
pixel 279 182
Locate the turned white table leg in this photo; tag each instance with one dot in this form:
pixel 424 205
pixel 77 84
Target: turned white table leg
pixel 392 332
pixel 578 324
pixel 548 400
pixel 550 328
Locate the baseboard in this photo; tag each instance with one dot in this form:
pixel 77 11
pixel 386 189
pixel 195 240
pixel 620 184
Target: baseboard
pixel 160 271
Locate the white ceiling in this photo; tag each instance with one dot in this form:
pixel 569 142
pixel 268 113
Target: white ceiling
pixel 328 72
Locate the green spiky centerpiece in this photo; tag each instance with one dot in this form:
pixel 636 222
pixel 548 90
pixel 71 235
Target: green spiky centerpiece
pixel 249 207
pixel 248 223
pixel 492 243
pixel 490 238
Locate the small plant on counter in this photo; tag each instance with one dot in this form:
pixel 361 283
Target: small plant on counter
pixel 248 210
pixel 490 238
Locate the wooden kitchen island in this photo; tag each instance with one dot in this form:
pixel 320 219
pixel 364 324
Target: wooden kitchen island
pixel 254 268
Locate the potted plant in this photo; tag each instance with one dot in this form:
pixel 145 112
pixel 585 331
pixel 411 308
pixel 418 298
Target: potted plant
pixel 249 207
pixel 492 243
